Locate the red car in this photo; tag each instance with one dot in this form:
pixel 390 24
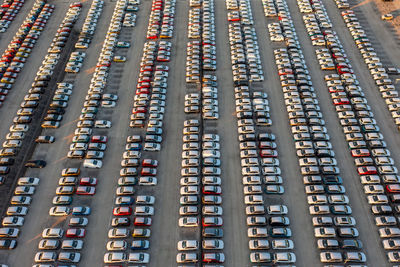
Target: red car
pixel 144 85
pixel 144 79
pixel 146 68
pixel 99 139
pixel 149 171
pixel 88 181
pixel 76 232
pixel 163 58
pixel 212 221
pixel 212 190
pixel 10 75
pixel 139 110
pixel 122 211
pixel 214 257
pixel 104 63
pixel 86 190
pixel 344 70
pixel 393 188
pixel 360 153
pixel 142 221
pixel 367 170
pixel 19 59
pixel 142 91
pixel 341 101
pixel 150 163
pixel 268 153
pixel 3 92
pixel 285 71
pixel 77 4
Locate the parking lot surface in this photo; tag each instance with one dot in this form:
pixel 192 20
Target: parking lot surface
pixel 198 133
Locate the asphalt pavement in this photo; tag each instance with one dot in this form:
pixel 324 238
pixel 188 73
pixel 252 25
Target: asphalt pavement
pixel 165 230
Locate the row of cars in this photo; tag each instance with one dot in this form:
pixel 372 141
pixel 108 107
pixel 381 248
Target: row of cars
pixel 26 185
pixel 334 227
pixel 151 88
pixel 200 195
pixel 161 22
pixel 8 11
pixel 84 145
pixel 62 245
pixel 379 73
pixel 200 201
pixel 201 52
pixel 205 103
pixel 150 94
pixel 46 71
pixel 372 158
pixel 20 122
pixel 18 208
pixel 130 17
pixel 89 25
pixel 245 56
pixel 261 175
pixel 129 236
pixel 201 61
pixel 20 47
pixel 132 216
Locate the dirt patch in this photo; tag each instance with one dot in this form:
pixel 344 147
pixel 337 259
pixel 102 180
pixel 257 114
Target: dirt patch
pixel 389 7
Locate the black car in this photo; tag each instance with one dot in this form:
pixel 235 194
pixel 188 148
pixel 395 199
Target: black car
pixel 47 139
pixel 8 243
pixel 2 180
pixel 266 137
pixel 58 111
pixel 279 221
pixel 37 163
pixel 351 244
pixel 213 232
pixel 4 170
pixel 36 90
pixel 6 161
pixel 40 84
pixel 332 180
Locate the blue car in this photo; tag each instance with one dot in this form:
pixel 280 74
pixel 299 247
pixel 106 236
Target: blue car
pixel 133 146
pixel 140 244
pixel 81 211
pixel 125 200
pixel 332 180
pixel 280 232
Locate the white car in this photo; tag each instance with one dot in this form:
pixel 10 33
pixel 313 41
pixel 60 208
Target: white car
pixel 28 181
pixel 92 163
pixel 45 257
pixel 144 210
pixel 117 245
pixel 102 124
pixel 188 245
pixel 139 257
pixel 188 222
pixel 146 180
pixel 151 146
pixel 59 211
pixel 115 257
pixel 13 221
